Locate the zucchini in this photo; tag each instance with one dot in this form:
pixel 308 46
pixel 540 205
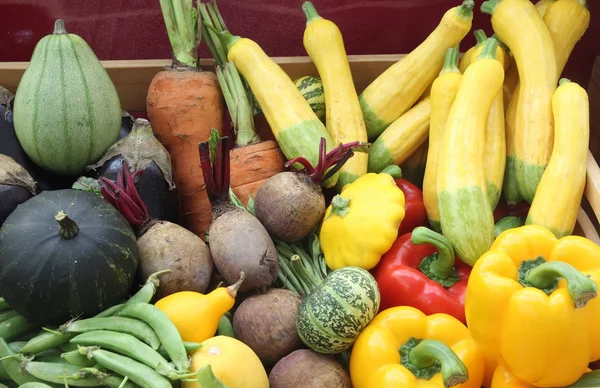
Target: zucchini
pixel 465 213
pixel 311 88
pixel 325 46
pixel 443 93
pixel 556 203
pixel 332 316
pixel 296 127
pixel 401 85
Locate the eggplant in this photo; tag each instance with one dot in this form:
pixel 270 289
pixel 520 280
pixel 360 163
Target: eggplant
pixel 150 163
pixel 16 186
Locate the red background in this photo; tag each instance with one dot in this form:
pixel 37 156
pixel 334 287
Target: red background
pixel 134 29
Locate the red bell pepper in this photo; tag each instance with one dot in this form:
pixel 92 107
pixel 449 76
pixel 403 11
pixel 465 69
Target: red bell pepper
pixel 414 209
pixel 420 271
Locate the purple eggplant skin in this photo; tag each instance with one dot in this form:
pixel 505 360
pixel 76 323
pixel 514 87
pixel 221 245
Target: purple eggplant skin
pixel 126 125
pixel 11 197
pixel 162 203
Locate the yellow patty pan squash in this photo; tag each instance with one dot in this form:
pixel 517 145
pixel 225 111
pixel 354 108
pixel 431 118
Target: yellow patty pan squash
pixel 362 222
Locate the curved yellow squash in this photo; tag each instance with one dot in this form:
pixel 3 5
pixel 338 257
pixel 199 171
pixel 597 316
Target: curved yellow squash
pixel 325 46
pixel 557 200
pixel 443 93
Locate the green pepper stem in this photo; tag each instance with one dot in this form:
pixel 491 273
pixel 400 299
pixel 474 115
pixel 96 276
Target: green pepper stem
pixel 393 170
pixel 489 50
pixel 428 351
pixel 581 288
pixel 480 37
pixel 59 27
pixel 465 10
pixel 451 61
pixel 310 12
pixel 340 206
pixel 563 81
pixel 443 264
pixel 489 6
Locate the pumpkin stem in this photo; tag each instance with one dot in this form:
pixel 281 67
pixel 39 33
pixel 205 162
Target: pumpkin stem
pixel 59 27
pixel 68 227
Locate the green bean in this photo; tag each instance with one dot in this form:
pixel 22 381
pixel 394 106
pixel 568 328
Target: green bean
pixel 12 365
pixel 124 344
pixel 75 358
pixel 165 330
pixel 137 372
pixel 3 304
pixel 5 315
pixel 14 327
pixel 225 327
pixel 189 348
pixel 57 373
pixel 125 325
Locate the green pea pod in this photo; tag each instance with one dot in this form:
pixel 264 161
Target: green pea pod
pixel 121 324
pixel 165 330
pixel 207 379
pixel 35 385
pixel 12 365
pixel 225 327
pixel 137 372
pixel 57 373
pixel 44 341
pixel 117 382
pixel 14 327
pixel 75 358
pixel 189 348
pixel 7 314
pixel 3 304
pixel 124 344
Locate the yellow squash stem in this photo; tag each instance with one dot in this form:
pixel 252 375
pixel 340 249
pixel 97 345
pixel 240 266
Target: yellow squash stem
pixel 401 85
pixel 324 44
pixel 465 213
pixel 518 24
pixel 557 200
pixel 443 93
pixel 469 55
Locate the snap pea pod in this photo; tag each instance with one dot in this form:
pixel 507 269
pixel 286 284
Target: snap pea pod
pixel 45 340
pixel 5 315
pixel 146 293
pixel 75 358
pixel 225 327
pixel 35 385
pixel 124 344
pixel 134 327
pixel 14 327
pixel 12 365
pixel 137 372
pixel 3 304
pixel 57 373
pixel 189 348
pixel 112 381
pixel 68 347
pixel 206 378
pixel 163 327
pixel 117 382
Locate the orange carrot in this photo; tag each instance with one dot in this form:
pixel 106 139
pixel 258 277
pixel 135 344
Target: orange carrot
pixel 184 103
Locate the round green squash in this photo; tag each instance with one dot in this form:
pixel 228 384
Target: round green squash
pixel 332 316
pixel 66 253
pixel 66 109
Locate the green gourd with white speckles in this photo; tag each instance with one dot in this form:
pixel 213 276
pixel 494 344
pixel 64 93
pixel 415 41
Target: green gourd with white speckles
pixel 66 109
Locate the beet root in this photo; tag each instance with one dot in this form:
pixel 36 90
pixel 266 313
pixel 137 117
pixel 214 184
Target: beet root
pixel 267 324
pixel 290 205
pixel 240 243
pixel 165 245
pixel 307 369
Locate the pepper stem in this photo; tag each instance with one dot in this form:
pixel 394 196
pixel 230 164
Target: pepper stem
pixel 59 27
pixel 465 10
pixel 451 61
pixel 480 37
pixel 489 6
pixel 426 358
pixel 68 227
pixel 439 266
pixel 340 206
pixel 581 288
pixel 310 12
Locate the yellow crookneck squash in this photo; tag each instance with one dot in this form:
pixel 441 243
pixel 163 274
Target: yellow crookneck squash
pixel 324 43
pixel 532 304
pixel 443 93
pixel 404 348
pixel 362 222
pixel 465 213
pixel 559 194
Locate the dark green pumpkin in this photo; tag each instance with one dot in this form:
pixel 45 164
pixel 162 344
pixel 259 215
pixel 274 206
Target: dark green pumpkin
pixel 54 267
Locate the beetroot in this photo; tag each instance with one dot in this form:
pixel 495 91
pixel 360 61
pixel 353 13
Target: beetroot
pixel 238 241
pixel 291 204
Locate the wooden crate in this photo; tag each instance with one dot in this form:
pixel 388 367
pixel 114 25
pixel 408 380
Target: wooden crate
pixel 132 79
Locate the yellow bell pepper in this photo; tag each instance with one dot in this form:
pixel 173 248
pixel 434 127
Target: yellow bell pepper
pixel 504 378
pixel 404 348
pixel 362 222
pixel 531 303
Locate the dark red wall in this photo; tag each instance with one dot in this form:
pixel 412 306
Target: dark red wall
pixel 134 29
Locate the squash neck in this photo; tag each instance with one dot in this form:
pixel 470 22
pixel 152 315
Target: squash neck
pixel 310 12
pixel 68 228
pixel 59 27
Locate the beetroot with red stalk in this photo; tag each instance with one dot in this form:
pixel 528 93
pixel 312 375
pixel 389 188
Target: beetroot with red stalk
pixel 238 241
pixel 162 245
pixel 291 204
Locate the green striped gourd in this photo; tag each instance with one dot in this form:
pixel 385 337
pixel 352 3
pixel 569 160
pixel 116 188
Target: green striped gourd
pixel 66 109
pixel 311 88
pixel 332 316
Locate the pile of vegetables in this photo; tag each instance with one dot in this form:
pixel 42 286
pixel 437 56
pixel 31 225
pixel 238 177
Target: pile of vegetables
pixel 417 232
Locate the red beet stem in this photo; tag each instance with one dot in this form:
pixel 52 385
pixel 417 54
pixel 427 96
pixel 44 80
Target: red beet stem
pixel 217 176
